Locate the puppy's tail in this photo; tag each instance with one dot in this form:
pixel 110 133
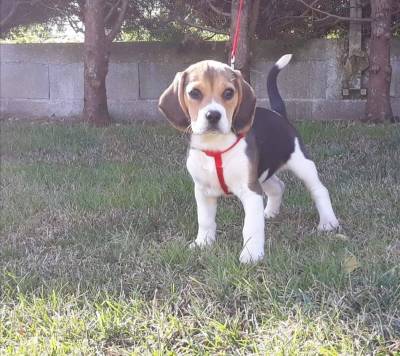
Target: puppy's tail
pixel 275 98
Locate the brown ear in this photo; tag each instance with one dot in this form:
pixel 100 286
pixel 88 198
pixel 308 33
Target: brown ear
pixel 172 105
pixel 244 113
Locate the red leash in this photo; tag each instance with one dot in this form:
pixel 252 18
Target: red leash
pixel 235 41
pixel 217 155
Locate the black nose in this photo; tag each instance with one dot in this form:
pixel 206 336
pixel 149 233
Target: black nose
pixel 213 116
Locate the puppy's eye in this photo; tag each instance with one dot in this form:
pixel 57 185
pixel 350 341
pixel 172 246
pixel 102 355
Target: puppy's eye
pixel 195 94
pixel 228 94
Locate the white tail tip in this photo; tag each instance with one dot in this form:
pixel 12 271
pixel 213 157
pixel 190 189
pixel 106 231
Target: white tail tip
pixel 283 61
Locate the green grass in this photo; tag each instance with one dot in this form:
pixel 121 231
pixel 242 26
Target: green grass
pixel 94 259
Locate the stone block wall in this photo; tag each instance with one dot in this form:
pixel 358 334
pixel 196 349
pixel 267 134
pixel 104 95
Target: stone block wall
pixel 39 80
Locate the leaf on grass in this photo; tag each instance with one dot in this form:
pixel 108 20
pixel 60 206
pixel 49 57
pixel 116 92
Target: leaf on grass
pixel 350 264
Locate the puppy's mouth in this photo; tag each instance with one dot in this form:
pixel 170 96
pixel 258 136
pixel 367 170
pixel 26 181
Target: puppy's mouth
pixel 213 128
pixel 202 127
pixel 212 131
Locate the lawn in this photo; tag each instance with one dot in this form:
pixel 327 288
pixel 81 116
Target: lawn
pixel 94 259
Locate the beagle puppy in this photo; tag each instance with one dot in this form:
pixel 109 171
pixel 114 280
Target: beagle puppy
pixel 236 148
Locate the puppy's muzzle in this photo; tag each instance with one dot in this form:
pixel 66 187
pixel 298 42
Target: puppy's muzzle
pixel 213 117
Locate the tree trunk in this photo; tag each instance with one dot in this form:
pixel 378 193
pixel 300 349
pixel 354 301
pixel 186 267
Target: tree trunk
pixel 379 107
pixel 96 57
pixel 247 25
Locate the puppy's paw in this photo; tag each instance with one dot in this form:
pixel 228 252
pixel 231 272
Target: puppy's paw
pixel 329 224
pixel 193 245
pixel 201 243
pixel 205 237
pixel 251 255
pixel 271 213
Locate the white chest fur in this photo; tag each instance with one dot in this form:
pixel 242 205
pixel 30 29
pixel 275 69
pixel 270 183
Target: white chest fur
pixel 235 167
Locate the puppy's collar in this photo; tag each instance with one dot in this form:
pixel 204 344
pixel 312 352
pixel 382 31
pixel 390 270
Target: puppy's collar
pixel 217 155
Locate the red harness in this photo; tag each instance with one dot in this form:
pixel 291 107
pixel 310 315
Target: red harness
pixel 217 155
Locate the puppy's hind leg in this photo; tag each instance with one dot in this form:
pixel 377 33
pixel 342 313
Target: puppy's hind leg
pixel 273 187
pixel 305 169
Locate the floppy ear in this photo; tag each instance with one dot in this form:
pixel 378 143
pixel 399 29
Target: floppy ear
pixel 244 113
pixel 172 105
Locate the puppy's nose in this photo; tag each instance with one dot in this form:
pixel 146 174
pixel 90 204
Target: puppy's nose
pixel 213 116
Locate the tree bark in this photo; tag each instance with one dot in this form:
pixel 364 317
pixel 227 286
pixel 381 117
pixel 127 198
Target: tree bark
pixel 96 57
pixel 247 26
pixel 379 107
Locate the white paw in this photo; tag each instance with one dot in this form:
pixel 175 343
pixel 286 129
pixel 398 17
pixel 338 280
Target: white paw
pixel 271 213
pixel 193 245
pixel 201 243
pixel 328 224
pixel 251 256
pixel 196 244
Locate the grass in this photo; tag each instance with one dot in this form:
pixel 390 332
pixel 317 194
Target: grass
pixel 94 258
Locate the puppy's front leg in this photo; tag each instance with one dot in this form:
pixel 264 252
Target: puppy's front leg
pixel 253 229
pixel 206 210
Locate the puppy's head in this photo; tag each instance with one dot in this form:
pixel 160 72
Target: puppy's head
pixel 209 97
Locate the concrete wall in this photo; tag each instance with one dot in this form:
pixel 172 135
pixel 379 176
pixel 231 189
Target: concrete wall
pixel 47 79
